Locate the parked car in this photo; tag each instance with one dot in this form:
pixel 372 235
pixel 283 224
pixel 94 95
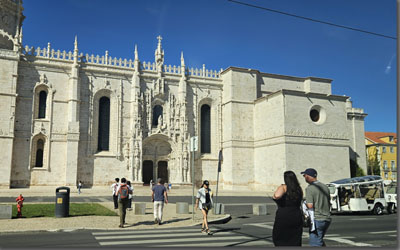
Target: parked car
pixel 358 194
pixel 391 197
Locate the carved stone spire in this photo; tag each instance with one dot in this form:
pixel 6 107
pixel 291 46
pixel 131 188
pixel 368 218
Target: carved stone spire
pixel 136 62
pixel 20 36
pixel 182 65
pixel 136 78
pixel 76 51
pixel 182 60
pixel 182 82
pixel 136 54
pixel 159 55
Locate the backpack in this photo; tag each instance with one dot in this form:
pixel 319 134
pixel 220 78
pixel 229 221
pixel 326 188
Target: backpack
pixel 123 192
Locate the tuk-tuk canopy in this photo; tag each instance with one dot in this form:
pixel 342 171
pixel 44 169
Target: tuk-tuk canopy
pixel 366 178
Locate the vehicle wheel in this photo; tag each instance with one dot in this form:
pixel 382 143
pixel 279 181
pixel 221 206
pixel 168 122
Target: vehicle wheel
pixel 390 208
pixel 378 209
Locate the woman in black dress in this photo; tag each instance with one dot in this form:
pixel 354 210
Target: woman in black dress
pixel 288 225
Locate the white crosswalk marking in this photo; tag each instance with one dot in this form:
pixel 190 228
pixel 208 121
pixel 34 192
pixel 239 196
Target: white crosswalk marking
pixel 349 242
pixel 383 232
pixel 149 231
pixel 136 236
pixel 177 240
pixel 333 237
pixel 259 225
pixel 180 237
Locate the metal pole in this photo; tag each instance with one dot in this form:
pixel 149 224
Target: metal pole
pixel 219 170
pixel 216 197
pixel 192 160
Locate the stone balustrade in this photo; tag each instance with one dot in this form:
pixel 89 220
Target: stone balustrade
pixel 115 62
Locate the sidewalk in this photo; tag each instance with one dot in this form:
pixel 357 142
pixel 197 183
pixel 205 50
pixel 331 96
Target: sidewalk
pixel 170 218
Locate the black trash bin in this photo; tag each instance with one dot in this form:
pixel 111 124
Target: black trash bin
pixel 62 202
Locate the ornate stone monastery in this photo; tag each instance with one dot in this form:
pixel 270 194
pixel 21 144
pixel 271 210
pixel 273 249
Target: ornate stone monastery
pixel 67 116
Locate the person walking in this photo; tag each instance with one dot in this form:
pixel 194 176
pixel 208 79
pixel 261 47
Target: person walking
pixel 204 202
pixel 114 188
pixel 123 199
pixel 288 225
pixel 79 187
pixel 159 196
pixel 318 200
pixel 130 195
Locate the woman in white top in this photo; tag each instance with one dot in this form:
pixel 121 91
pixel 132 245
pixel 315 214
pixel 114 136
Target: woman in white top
pixel 204 195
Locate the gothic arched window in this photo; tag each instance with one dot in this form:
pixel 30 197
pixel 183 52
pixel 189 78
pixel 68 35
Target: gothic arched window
pixel 39 153
pixel 104 124
pixel 42 104
pixel 205 139
pixel 157 111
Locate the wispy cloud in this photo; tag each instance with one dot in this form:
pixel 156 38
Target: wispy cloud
pixel 389 66
pixel 159 12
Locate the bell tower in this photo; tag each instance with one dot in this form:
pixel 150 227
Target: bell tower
pixel 11 19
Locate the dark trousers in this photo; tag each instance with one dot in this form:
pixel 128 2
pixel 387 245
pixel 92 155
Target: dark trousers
pixel 123 204
pixel 130 203
pixel 115 199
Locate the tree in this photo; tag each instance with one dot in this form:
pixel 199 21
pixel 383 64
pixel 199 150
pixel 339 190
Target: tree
pixel 355 170
pixel 374 167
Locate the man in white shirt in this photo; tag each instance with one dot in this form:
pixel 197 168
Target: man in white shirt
pixel 114 187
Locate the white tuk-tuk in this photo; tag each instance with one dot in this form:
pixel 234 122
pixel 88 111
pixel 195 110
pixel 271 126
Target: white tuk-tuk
pixel 391 196
pixel 358 194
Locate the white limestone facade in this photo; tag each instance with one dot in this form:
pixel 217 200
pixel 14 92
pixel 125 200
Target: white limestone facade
pixel 68 116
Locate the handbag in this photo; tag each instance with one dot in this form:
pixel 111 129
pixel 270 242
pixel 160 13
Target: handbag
pixel 306 220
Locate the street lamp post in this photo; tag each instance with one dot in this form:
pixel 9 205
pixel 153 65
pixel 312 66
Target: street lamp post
pixel 193 148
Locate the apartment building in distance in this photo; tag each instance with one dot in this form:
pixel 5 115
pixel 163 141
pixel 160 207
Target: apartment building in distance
pixel 383 146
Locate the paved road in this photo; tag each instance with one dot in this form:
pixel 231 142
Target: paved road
pixel 363 230
pixel 249 230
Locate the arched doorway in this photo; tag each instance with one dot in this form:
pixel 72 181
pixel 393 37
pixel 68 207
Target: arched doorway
pixel 147 171
pixel 162 171
pixel 157 150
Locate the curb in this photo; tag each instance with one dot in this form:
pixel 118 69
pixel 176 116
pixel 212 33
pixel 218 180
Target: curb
pixel 216 221
pixel 222 220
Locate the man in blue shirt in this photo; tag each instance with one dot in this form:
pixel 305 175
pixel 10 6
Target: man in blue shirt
pixel 159 196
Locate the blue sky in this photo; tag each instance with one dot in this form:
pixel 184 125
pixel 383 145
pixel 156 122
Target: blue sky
pixel 219 34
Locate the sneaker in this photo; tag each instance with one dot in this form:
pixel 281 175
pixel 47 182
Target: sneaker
pixel 159 223
pixel 156 221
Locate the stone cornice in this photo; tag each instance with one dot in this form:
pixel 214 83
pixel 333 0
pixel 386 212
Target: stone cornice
pixel 277 76
pixel 9 54
pixel 304 94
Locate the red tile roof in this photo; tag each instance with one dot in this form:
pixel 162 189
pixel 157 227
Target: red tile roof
pixel 375 136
